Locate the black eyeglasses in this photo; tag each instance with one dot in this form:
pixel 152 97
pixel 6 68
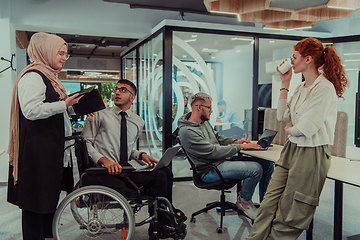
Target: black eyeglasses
pixel 123 90
pixel 208 107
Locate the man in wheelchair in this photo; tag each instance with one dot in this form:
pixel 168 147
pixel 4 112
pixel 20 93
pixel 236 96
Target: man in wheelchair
pixel 110 136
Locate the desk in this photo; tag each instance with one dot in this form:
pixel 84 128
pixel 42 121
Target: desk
pixel 222 126
pixel 342 170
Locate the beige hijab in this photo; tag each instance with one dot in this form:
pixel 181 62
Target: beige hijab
pixel 42 50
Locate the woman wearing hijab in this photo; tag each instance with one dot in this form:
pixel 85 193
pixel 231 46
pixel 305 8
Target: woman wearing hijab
pixel 39 123
pixel 299 176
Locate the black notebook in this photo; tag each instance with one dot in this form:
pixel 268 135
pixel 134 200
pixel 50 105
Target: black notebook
pixel 89 103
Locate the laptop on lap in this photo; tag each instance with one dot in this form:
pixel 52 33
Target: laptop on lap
pixel 163 162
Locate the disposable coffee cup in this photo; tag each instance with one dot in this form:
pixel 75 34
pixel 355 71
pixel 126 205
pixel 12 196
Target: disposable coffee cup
pixel 285 67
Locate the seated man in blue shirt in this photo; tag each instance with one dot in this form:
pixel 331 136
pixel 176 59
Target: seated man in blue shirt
pixel 229 115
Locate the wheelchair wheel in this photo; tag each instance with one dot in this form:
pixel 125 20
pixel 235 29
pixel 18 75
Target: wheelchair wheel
pixel 94 212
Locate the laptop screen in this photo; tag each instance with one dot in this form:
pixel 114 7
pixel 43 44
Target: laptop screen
pixel 266 138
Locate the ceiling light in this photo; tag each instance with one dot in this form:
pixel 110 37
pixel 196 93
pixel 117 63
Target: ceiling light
pixel 194 36
pixel 237 50
pixel 351 69
pixel 352 60
pixel 184 56
pixel 349 54
pixel 299 28
pixel 87 45
pixel 274 28
pixel 344 8
pixel 210 50
pixel 190 40
pixel 271 41
pixel 155 54
pixel 212 57
pixel 241 39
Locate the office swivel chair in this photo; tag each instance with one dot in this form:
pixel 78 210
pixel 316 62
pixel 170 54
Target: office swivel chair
pixel 222 185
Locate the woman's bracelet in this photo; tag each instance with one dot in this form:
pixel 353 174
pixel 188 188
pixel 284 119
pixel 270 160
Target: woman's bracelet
pixel 284 89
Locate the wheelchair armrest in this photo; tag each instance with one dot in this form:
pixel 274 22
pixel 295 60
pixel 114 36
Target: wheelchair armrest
pixel 96 170
pixel 74 136
pixel 104 171
pixel 100 170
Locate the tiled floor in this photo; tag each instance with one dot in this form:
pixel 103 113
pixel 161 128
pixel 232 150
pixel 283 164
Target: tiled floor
pixel 188 198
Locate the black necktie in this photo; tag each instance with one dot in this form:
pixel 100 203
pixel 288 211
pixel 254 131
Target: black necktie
pixel 123 141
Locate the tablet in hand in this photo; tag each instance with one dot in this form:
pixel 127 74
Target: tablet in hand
pixel 83 92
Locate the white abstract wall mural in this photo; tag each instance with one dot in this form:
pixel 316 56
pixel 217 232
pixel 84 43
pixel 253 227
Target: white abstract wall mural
pixel 195 76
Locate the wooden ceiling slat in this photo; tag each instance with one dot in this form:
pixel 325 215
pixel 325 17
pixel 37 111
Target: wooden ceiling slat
pixel 261 11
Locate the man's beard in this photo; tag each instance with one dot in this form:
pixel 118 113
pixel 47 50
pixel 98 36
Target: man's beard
pixel 204 118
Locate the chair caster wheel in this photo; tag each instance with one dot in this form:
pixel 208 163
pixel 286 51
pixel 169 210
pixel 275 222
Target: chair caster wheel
pixel 193 220
pixel 219 230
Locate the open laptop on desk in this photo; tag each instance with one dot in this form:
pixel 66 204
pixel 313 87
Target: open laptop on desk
pixel 265 140
pixel 165 160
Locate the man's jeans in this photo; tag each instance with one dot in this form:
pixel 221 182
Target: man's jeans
pixel 248 169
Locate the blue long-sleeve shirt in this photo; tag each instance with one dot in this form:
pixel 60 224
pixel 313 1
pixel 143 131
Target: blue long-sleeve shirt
pixel 231 116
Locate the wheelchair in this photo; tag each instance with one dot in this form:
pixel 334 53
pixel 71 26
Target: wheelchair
pixel 95 211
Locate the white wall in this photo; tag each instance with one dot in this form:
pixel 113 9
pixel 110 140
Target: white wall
pixel 237 78
pixel 7 47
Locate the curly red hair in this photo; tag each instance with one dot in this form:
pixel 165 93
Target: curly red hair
pixel 327 59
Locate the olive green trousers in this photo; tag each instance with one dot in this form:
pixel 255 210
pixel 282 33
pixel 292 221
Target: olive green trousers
pixel 293 193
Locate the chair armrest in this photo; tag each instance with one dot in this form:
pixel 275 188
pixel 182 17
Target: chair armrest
pixel 207 166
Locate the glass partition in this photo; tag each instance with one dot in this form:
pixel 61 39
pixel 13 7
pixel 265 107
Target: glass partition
pixel 271 53
pixel 274 51
pixel 350 55
pixel 129 66
pixel 150 95
pixel 221 66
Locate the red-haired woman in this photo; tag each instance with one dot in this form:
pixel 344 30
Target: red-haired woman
pixel 299 176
